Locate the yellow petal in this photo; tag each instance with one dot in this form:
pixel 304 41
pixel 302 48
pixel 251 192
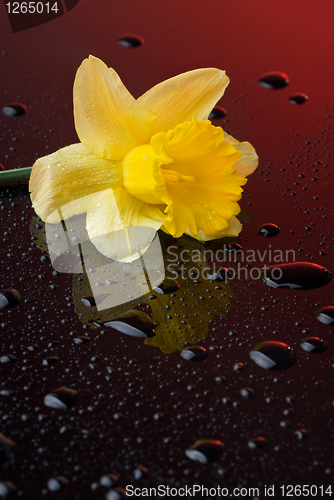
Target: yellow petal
pixel 180 98
pixel 249 160
pixel 121 226
pixel 65 177
pixel 233 229
pixel 108 120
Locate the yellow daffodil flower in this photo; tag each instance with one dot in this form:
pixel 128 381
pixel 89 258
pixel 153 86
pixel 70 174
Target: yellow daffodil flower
pixel 155 162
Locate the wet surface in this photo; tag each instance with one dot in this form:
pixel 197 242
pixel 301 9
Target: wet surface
pixel 87 408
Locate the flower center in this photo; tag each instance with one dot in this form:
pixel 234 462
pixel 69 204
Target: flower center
pixel 174 177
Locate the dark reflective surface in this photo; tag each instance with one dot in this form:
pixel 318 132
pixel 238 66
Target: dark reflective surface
pixel 136 405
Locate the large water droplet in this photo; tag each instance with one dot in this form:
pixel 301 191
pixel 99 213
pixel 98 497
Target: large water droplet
pixel 274 80
pixel 313 344
pixel 299 275
pixel 6 487
pixel 298 98
pixel 326 315
pixel 130 41
pixel 217 113
pixel 6 446
pixel 134 323
pixel 268 230
pixel 194 353
pixel 273 355
pixel 205 450
pixel 61 398
pixel 9 298
pixel 14 109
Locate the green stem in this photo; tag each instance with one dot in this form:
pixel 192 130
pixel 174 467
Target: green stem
pixel 13 176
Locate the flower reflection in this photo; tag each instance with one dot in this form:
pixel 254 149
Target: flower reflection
pixel 181 306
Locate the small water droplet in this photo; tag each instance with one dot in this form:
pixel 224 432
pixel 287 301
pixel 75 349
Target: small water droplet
pixel 9 298
pixel 301 433
pixel 273 355
pixel 50 360
pixel 195 353
pixel 299 275
pixel 268 230
pixel 238 367
pixel 257 442
pixel 217 113
pixel 223 274
pixel 298 98
pixel 57 483
pixel 326 315
pixel 205 450
pixel 117 494
pixel 130 41
pixel 134 323
pixel 313 344
pixel 274 80
pixel 109 480
pixel 81 340
pixel 247 393
pixel 62 397
pixel 140 472
pixel 166 287
pixel 14 109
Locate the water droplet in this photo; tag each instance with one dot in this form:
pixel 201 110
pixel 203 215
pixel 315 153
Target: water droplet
pixel 63 397
pixel 14 109
pixel 195 353
pixel 299 275
pixel 109 480
pixel 205 450
pixel 117 494
pixel 134 323
pixel 313 344
pixel 130 41
pixel 166 287
pixel 217 113
pixel 9 298
pixel 8 358
pixel 247 393
pixel 273 355
pixel 298 98
pixel 223 274
pixel 238 367
pixel 50 360
pixel 81 340
pixel 326 315
pixel 140 472
pixel 6 487
pixel 6 446
pixel 57 483
pixel 268 230
pixel 274 80
pixel 301 433
pixel 257 442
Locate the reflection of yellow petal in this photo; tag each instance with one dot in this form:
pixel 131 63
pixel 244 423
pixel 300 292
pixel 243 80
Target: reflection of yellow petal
pixel 120 225
pixel 233 229
pixel 248 162
pixel 68 175
pixel 108 120
pixel 180 98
